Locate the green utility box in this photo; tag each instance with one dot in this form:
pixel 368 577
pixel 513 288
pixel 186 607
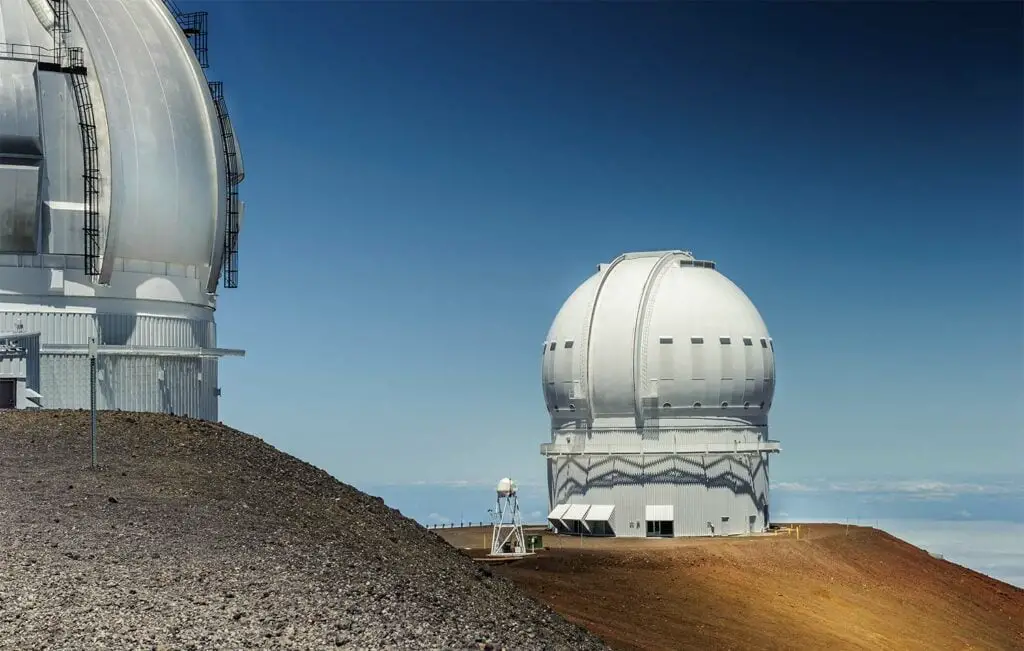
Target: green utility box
pixel 534 542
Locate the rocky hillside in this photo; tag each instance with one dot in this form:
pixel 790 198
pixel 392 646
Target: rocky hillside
pixel 195 536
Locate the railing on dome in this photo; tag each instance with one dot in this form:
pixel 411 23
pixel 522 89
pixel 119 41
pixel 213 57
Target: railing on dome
pixel 193 26
pixel 72 62
pixel 230 263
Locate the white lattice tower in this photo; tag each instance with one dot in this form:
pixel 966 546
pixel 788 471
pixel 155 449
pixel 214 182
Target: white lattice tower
pixel 508 526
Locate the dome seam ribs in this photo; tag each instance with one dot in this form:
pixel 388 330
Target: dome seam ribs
pixel 588 329
pixel 641 328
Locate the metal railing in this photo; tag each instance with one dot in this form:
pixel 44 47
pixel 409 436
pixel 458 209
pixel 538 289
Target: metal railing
pixel 659 447
pixel 29 53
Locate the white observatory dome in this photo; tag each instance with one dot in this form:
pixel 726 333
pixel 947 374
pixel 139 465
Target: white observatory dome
pixel 119 212
pixel 658 374
pixel 658 339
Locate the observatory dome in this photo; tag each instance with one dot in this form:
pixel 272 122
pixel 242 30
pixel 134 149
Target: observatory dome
pixel 658 374
pixel 119 211
pixel 658 337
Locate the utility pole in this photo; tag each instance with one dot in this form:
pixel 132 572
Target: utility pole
pixel 92 395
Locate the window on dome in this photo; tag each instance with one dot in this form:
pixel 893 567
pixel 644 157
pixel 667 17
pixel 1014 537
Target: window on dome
pixel 749 362
pixel 764 343
pixel 697 357
pixel 553 344
pixel 568 344
pixel 725 341
pixel 666 363
pixel 725 358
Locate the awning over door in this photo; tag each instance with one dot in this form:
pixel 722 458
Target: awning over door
pixel 557 512
pixel 600 512
pixel 659 512
pixel 575 512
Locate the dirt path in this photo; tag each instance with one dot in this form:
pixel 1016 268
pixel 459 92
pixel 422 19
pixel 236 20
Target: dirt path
pixel 834 588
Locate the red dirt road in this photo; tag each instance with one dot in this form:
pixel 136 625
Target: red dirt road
pixel 834 588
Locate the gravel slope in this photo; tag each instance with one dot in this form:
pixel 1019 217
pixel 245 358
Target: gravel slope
pixel 196 536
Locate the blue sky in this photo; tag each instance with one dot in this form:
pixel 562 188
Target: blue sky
pixel 427 182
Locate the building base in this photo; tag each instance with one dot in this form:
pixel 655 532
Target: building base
pixel 163 364
pixel 663 495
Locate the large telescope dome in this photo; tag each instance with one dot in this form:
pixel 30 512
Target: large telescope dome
pixel 119 208
pixel 658 374
pixel 658 336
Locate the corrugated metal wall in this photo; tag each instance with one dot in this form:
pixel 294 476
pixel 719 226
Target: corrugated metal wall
pixel 179 385
pixel 728 491
pixel 113 329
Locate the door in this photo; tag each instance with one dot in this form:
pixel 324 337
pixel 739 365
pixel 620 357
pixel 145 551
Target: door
pixel 8 394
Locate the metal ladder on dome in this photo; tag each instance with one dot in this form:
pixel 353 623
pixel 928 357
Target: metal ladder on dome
pixel 71 61
pixel 232 179
pixel 193 26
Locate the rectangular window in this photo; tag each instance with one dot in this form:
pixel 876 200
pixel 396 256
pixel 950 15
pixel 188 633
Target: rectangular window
pixel 749 359
pixel 766 365
pixel 725 341
pixel 725 357
pixel 666 361
pixel 747 341
pixel 568 344
pixel 697 356
pixel 553 344
pixel 764 343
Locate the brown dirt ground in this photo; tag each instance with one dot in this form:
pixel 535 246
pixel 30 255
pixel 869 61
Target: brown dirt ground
pixel 836 587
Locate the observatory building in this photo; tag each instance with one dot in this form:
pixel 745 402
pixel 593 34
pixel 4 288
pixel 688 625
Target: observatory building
pixel 119 208
pixel 658 374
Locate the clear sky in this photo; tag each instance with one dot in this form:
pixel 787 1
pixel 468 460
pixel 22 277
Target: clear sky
pixel 427 182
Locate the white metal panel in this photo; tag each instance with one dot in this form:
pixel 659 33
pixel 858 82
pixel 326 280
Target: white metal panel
pixel 600 512
pixel 574 512
pixel 558 512
pixel 659 512
pixel 569 324
pixel 20 133
pixel 611 351
pixel 19 208
pixel 162 132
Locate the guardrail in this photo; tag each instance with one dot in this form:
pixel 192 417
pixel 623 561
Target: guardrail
pixel 657 447
pixel 29 53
